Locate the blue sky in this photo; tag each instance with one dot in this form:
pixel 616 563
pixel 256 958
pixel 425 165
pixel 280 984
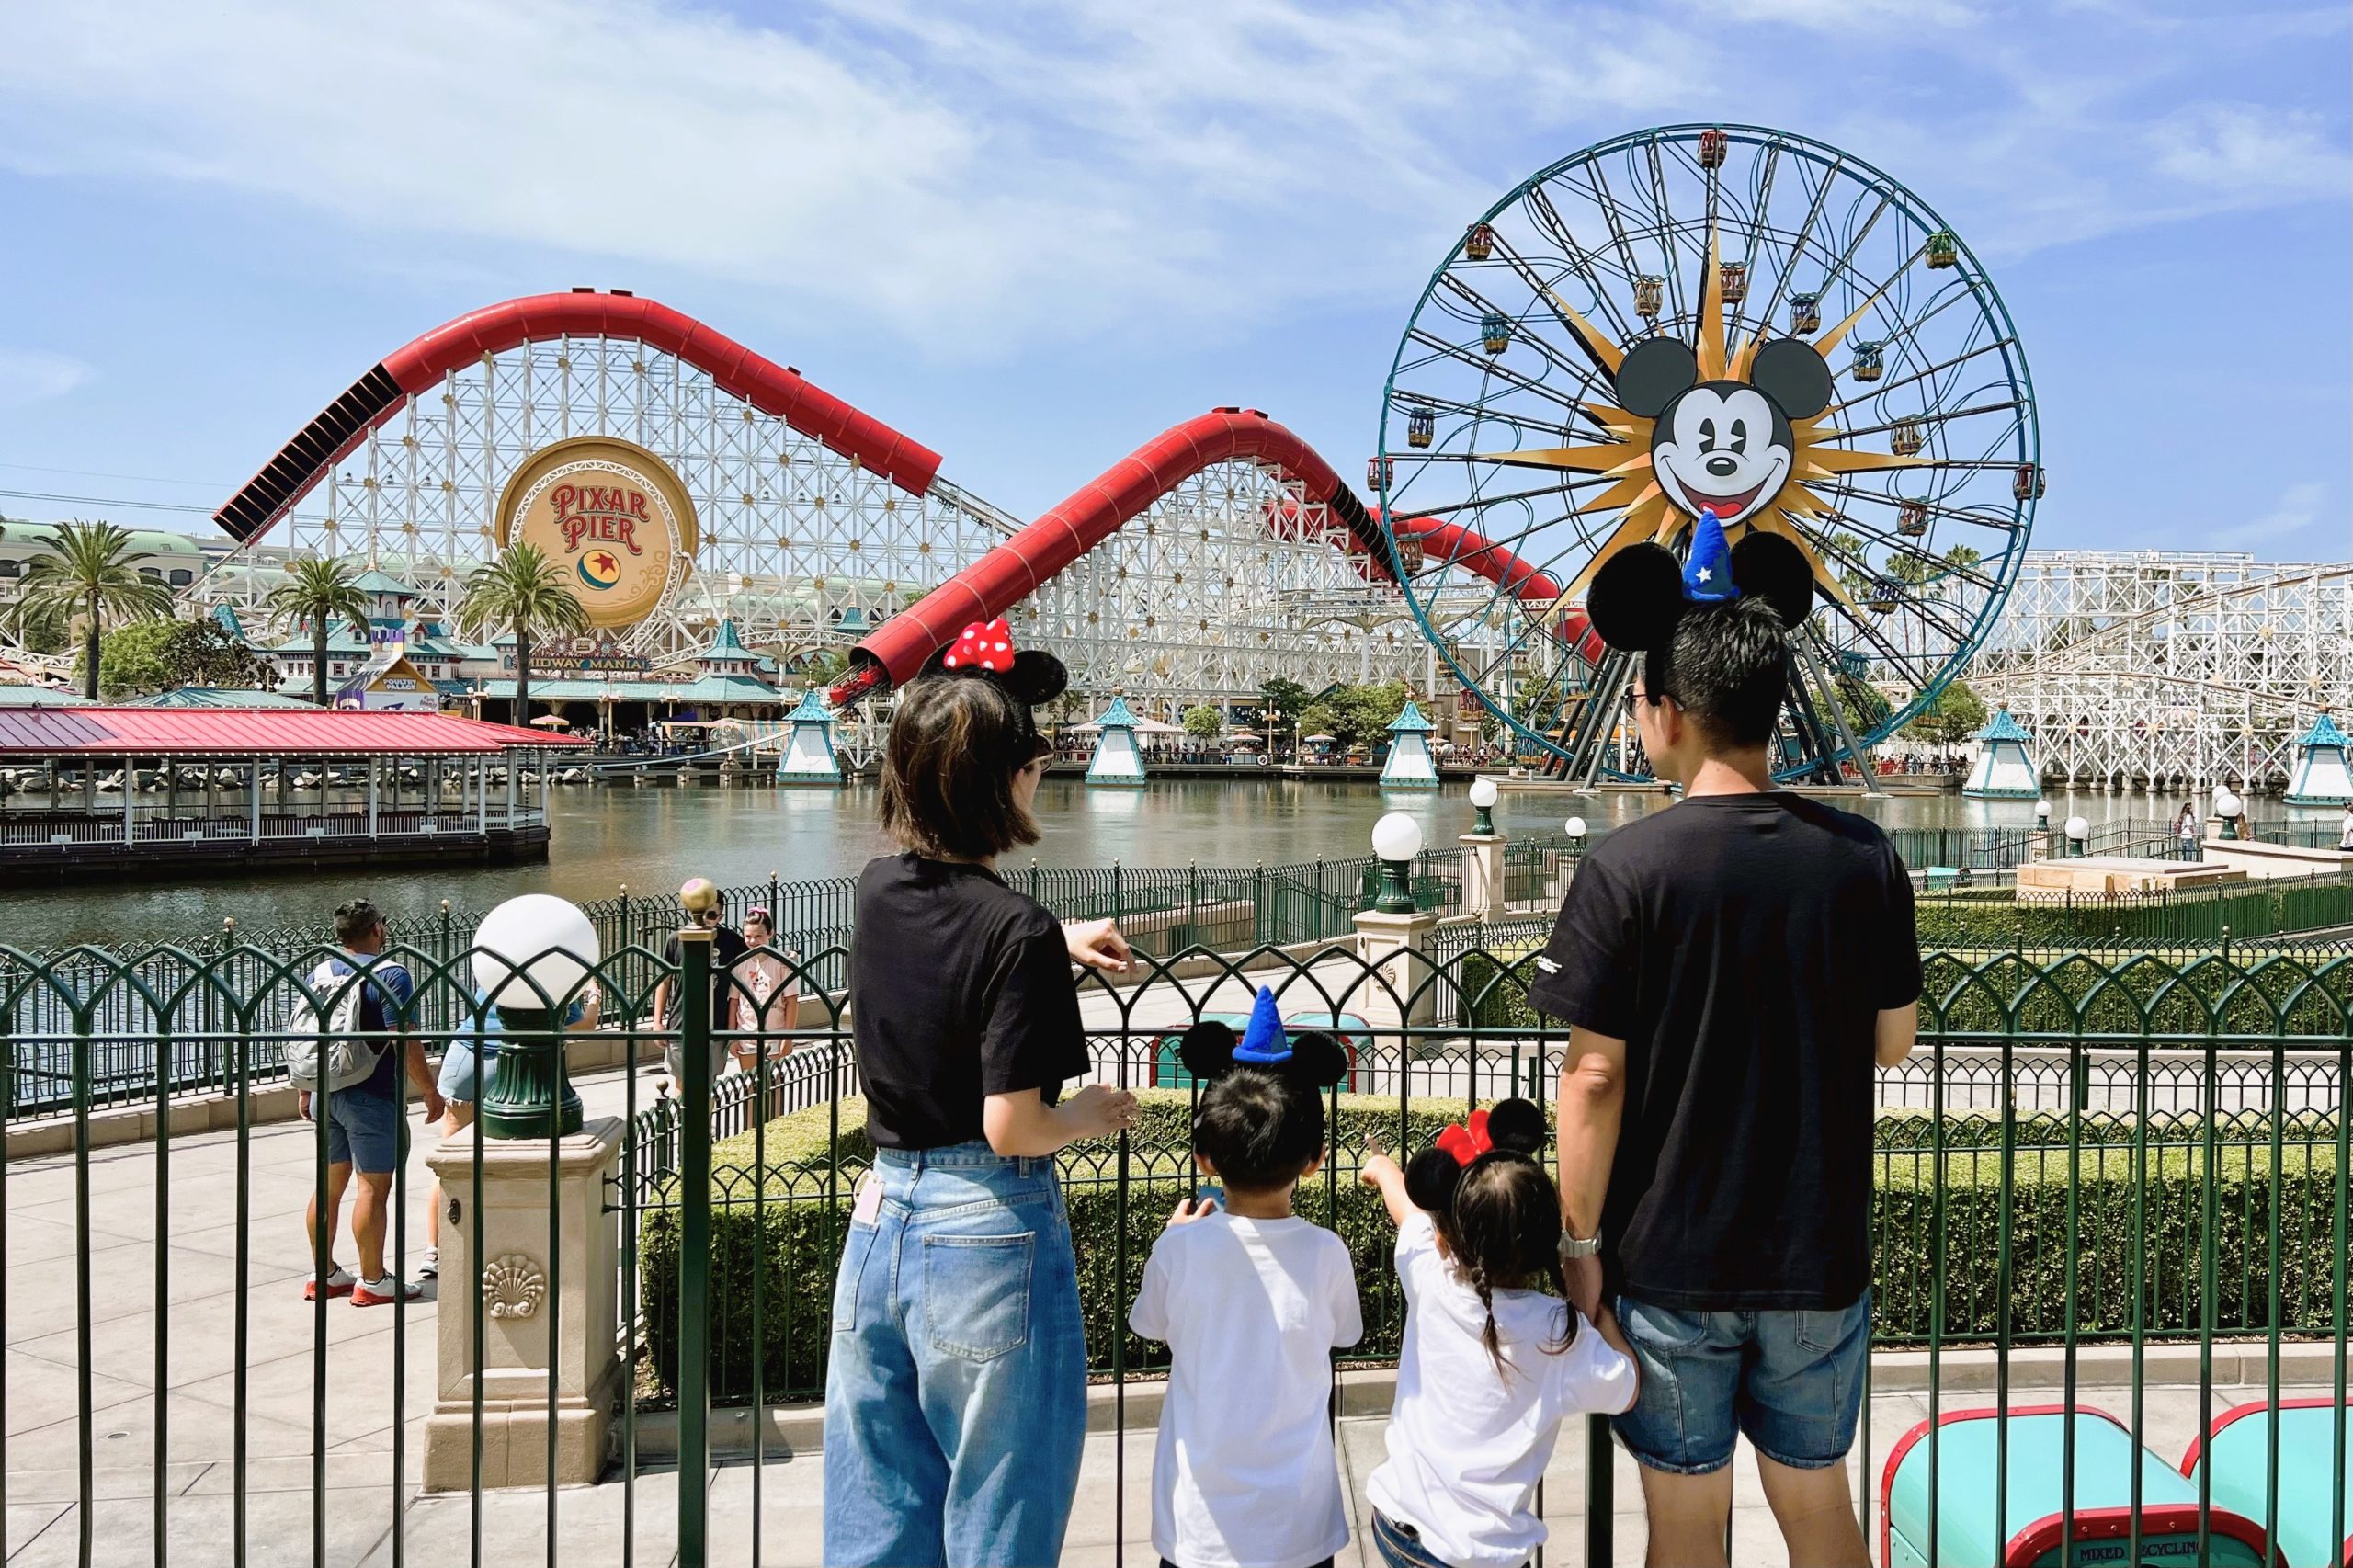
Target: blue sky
pixel 1034 235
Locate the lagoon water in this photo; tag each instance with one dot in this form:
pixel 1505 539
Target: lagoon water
pixel 654 837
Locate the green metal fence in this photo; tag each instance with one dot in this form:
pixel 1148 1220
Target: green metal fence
pixel 2100 1157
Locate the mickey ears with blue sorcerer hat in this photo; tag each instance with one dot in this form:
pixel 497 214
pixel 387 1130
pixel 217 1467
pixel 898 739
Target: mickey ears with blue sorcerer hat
pixel 1210 1049
pixel 1643 593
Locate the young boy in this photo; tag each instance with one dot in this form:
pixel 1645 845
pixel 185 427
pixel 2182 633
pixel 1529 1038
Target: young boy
pixel 1251 1301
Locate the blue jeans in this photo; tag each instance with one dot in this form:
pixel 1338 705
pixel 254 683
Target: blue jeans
pixel 1792 1381
pixel 956 1400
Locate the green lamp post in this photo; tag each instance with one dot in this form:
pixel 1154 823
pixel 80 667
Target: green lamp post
pixel 1396 839
pixel 2078 830
pixel 529 952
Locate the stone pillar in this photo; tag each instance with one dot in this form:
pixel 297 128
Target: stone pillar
pixel 1398 946
pixel 521 1294
pixel 1483 875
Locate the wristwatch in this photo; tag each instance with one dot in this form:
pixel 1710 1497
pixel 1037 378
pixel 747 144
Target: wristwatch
pixel 1575 1246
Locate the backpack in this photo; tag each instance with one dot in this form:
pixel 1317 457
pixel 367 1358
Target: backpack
pixel 349 1060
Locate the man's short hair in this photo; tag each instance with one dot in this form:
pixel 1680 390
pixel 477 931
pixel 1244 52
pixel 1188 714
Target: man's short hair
pixel 1258 1129
pixel 353 921
pixel 1727 668
pixel 956 743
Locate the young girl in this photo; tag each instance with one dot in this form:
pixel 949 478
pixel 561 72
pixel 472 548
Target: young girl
pixel 1491 1366
pixel 956 1397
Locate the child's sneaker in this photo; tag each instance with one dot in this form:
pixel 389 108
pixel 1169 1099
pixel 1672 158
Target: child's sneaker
pixel 383 1292
pixel 431 1267
pixel 340 1282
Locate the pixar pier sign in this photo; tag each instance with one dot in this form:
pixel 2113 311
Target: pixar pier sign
pixel 610 515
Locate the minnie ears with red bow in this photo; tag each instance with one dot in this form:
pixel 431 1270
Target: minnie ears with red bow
pixel 1643 593
pixel 984 649
pixel 1513 1129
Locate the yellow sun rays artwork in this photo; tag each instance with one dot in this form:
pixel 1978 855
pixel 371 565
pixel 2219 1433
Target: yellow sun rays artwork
pixel 1632 491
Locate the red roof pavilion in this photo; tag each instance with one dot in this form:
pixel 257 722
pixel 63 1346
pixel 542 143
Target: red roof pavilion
pixel 190 731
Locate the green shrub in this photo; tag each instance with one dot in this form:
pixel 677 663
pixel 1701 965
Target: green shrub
pixel 2109 999
pixel 795 1228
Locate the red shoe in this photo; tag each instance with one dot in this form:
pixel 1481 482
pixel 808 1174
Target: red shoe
pixel 340 1282
pixel 382 1292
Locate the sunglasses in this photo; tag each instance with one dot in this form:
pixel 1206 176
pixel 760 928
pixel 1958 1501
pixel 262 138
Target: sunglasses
pixel 708 916
pixel 1634 698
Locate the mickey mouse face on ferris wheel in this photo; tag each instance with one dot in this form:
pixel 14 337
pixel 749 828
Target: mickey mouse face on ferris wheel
pixel 1723 447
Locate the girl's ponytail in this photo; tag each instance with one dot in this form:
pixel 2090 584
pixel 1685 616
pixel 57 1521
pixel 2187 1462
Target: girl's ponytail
pixel 1487 1334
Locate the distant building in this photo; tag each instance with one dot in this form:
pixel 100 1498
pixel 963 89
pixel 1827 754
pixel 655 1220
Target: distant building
pixel 1410 764
pixel 2003 771
pixel 2322 777
pixel 1118 759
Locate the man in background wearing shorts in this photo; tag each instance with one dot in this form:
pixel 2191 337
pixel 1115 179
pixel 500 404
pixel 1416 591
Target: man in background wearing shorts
pixel 1732 967
pixel 368 1122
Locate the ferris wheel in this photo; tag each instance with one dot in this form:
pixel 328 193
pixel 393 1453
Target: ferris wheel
pixel 1523 441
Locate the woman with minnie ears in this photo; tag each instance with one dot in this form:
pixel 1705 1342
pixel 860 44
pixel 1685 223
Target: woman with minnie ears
pixel 1491 1366
pixel 956 1396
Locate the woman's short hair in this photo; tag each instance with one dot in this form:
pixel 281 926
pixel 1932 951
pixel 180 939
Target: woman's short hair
pixel 956 743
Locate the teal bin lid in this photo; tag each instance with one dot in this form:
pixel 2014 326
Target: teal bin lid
pixel 2029 1533
pixel 2237 1452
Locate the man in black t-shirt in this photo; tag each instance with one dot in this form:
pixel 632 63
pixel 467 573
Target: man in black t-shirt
pixel 1732 967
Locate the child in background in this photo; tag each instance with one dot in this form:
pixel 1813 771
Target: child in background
pixel 1491 1366
pixel 1250 1302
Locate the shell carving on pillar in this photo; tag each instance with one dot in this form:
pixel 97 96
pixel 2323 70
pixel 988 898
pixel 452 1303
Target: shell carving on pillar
pixel 514 1286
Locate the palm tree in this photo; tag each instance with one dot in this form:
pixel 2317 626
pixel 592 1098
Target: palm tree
pixel 86 571
pixel 317 592
pixel 524 590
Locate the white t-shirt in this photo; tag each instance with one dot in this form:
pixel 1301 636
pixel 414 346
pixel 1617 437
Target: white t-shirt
pixel 1243 1475
pixel 1466 1444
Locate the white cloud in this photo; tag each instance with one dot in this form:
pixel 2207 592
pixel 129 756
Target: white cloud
pixel 975 178
pixel 35 375
pixel 2298 508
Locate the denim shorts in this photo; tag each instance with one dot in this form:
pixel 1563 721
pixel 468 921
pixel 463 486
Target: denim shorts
pixel 1791 1379
pixel 366 1131
pixel 1399 1546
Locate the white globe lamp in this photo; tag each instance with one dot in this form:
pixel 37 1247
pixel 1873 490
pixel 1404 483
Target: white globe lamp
pixel 2078 830
pixel 1396 839
pixel 532 956
pixel 1482 799
pixel 2042 814
pixel 2230 808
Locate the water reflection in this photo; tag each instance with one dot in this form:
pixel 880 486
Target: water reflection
pixel 656 836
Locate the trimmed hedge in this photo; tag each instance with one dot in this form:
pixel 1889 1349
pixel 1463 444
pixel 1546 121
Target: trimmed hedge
pixel 2306 996
pixel 793 1234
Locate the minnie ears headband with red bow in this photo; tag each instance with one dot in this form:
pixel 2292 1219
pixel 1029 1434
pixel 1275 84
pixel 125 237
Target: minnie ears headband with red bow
pixel 984 649
pixel 1513 1129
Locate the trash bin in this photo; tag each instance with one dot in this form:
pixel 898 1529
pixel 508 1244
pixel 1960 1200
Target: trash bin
pixel 2236 1451
pixel 2030 1531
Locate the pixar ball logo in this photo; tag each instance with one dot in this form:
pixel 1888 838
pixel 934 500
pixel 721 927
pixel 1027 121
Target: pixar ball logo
pixel 600 569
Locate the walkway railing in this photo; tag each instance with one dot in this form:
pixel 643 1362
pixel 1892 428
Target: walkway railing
pixel 2102 1158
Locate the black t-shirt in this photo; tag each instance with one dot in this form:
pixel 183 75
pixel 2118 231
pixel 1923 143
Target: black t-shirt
pixel 959 988
pixel 727 945
pixel 1743 947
